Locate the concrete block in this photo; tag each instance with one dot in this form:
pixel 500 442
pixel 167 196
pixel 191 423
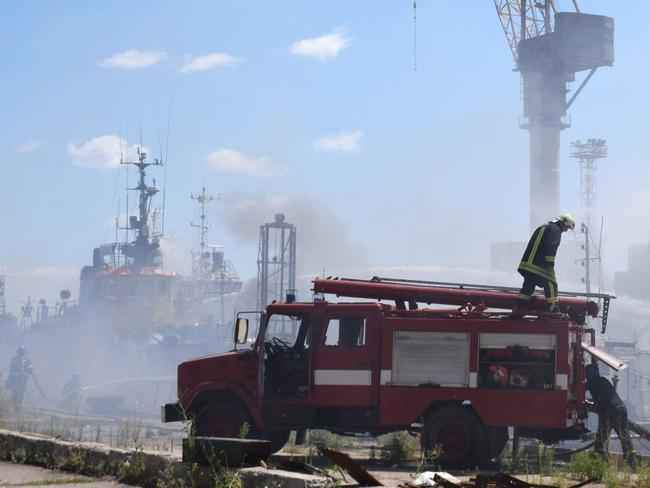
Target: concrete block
pixel 45 451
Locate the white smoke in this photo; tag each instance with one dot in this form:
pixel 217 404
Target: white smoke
pixel 322 239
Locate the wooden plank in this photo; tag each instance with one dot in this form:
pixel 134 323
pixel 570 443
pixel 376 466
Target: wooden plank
pixel 353 468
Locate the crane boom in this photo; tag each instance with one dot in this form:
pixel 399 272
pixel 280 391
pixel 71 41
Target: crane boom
pixel 523 19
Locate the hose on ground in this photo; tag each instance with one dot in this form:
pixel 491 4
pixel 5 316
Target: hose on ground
pixel 571 452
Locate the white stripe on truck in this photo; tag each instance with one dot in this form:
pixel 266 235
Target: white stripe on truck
pixel 342 377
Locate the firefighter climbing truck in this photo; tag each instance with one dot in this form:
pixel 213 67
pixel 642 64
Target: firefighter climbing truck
pixel 459 375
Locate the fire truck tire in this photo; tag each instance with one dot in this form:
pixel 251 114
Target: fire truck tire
pixel 223 419
pixel 226 419
pixel 498 438
pixel 459 433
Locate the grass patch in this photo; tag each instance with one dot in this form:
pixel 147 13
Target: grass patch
pixel 398 447
pixel 326 439
pixel 587 465
pixel 5 407
pixel 18 456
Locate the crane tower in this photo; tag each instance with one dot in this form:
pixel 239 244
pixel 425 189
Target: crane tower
pixel 549 48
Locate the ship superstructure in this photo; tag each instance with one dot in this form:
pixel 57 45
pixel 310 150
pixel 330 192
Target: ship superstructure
pixel 127 285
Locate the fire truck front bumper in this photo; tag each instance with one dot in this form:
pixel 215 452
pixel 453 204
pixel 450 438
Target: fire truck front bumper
pixel 171 412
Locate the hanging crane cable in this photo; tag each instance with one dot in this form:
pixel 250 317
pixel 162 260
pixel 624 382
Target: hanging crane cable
pixel 415 36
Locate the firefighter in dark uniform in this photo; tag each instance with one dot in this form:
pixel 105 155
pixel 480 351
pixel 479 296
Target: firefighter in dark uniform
pixel 538 262
pixel 611 414
pixel 19 370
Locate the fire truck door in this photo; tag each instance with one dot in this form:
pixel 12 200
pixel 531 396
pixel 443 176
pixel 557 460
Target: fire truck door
pixel 344 363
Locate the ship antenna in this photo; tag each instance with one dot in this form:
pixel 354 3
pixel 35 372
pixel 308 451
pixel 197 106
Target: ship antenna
pixel 164 163
pixel 117 220
pixel 169 119
pixel 115 184
pixel 128 210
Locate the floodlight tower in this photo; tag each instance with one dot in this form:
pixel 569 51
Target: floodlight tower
pixel 549 47
pixel 276 261
pixel 588 154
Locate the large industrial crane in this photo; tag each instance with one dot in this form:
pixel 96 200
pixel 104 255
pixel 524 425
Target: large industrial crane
pixel 549 48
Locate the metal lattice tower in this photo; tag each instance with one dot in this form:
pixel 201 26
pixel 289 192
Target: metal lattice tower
pixel 588 154
pixel 201 264
pixel 3 300
pixel 276 261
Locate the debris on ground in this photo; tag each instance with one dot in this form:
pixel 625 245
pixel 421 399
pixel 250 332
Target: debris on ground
pixel 349 465
pixel 297 466
pixel 498 480
pixel 428 478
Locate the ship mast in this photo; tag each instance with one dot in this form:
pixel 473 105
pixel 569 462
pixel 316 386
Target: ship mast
pixel 202 265
pixel 143 250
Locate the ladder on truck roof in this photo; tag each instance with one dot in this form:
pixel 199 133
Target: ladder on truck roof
pixel 576 305
pixel 469 286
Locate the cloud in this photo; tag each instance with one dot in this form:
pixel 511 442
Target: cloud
pixel 231 160
pixel 133 59
pixel 103 152
pixel 29 146
pixel 343 142
pixel 324 48
pixel 210 61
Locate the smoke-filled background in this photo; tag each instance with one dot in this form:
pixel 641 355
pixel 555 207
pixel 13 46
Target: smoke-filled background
pixel 312 111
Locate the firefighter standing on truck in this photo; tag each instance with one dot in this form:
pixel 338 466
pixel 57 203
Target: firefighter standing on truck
pixel 538 262
pixel 612 414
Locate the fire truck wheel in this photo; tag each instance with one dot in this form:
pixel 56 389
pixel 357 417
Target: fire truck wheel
pixel 498 439
pixel 458 433
pixel 221 420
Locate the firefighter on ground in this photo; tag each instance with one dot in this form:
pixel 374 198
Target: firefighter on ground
pixel 538 262
pixel 71 393
pixel 612 414
pixel 20 367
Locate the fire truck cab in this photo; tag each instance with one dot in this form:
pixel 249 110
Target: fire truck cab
pixel 460 376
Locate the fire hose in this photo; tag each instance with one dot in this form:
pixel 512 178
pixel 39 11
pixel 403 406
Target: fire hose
pixel 38 387
pixel 634 427
pixel 571 452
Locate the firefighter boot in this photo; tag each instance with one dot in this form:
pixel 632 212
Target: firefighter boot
pixel 520 307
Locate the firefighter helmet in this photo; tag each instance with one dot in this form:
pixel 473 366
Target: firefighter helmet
pixel 21 350
pixel 567 220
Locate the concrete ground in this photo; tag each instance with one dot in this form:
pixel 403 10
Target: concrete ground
pixel 24 476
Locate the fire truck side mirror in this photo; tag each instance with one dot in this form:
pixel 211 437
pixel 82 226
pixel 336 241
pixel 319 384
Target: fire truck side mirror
pixel 241 331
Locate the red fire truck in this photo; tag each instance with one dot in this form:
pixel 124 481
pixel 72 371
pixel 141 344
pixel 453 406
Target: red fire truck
pixel 459 375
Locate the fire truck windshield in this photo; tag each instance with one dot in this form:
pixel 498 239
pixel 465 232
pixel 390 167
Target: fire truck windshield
pixel 289 329
pixel 286 355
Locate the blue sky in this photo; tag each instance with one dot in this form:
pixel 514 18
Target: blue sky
pixel 380 164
